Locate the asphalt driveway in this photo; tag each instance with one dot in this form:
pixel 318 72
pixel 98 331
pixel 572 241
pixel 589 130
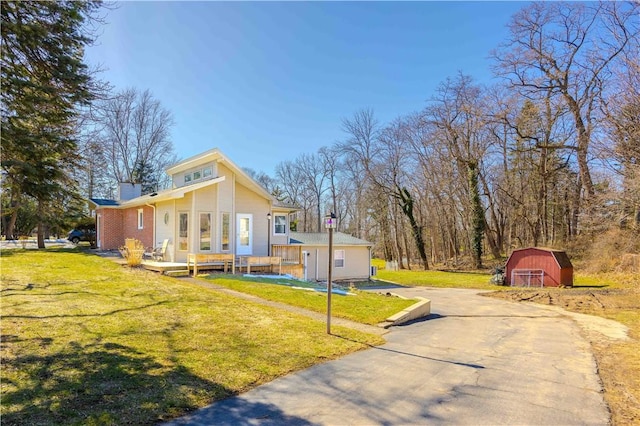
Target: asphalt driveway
pixel 476 360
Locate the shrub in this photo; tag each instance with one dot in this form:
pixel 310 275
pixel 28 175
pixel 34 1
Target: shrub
pixel 132 251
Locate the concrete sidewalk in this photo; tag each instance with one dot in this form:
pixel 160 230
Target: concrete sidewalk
pixel 476 361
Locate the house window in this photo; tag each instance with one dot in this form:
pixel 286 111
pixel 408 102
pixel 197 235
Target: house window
pixel 280 224
pixel 197 175
pixel 187 178
pixel 205 231
pixel 206 172
pixel 225 231
pixel 183 232
pixel 293 222
pixel 338 258
pixel 140 218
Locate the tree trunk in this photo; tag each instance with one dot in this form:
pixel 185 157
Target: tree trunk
pixel 582 149
pixel 40 225
pixel 477 212
pixel 9 232
pixel 407 208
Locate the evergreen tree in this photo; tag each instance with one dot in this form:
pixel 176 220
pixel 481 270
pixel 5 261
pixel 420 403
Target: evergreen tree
pixel 43 81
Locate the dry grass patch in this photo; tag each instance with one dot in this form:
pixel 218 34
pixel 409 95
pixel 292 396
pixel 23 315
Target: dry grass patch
pixel 87 341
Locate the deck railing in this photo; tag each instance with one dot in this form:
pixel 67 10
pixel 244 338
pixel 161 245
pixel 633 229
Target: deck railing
pixel 289 254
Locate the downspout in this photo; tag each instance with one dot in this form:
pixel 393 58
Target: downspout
pixel 317 261
pixel 154 223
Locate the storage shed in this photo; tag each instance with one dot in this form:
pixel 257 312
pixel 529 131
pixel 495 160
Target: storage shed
pixel 539 267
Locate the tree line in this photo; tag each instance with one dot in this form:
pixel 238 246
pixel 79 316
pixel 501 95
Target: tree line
pixel 66 134
pixel 548 154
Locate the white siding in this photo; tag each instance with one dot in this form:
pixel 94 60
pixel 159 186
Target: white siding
pixel 249 202
pixel 225 205
pixel 183 205
pixel 356 263
pixel 165 230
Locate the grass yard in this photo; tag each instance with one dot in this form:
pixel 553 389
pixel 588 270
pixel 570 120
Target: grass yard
pixel 438 279
pixel 478 280
pixel 87 341
pixel 365 307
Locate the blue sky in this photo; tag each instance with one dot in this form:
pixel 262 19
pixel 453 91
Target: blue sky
pixel 265 82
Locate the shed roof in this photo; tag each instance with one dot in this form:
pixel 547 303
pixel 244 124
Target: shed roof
pixel 560 255
pixel 322 239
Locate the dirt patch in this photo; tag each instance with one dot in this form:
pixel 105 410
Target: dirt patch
pixel 612 326
pixel 586 301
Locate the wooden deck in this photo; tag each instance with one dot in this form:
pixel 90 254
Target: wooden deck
pixel 163 267
pixel 294 269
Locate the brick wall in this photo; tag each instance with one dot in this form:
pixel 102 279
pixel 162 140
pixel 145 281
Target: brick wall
pixel 116 225
pixel 110 229
pixel 130 225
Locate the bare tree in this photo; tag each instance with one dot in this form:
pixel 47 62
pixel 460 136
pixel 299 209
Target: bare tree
pixel 622 116
pixel 135 138
pixel 568 49
pixel 457 112
pixel 267 182
pixel 386 161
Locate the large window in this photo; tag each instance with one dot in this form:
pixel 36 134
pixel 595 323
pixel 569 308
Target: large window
pixel 338 258
pixel 225 231
pixel 205 231
pixel 140 218
pixel 183 232
pixel 280 224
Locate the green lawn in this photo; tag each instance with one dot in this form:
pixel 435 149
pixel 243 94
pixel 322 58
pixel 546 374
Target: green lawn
pixel 481 281
pixel 438 279
pixel 87 341
pixel 364 307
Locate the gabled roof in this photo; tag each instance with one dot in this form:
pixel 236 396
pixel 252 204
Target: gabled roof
pixel 322 238
pixel 561 257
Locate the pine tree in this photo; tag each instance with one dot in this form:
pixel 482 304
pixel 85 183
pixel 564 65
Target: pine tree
pixel 43 80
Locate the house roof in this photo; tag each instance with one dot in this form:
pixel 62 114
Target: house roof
pixel 104 202
pixel 281 206
pixel 167 194
pixel 322 239
pixel 216 155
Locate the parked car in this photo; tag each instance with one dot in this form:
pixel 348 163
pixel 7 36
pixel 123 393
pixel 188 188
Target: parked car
pixel 77 235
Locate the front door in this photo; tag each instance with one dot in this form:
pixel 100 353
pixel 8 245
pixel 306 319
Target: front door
pixel 244 238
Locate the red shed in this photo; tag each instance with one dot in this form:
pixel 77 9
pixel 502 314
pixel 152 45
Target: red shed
pixel 535 266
